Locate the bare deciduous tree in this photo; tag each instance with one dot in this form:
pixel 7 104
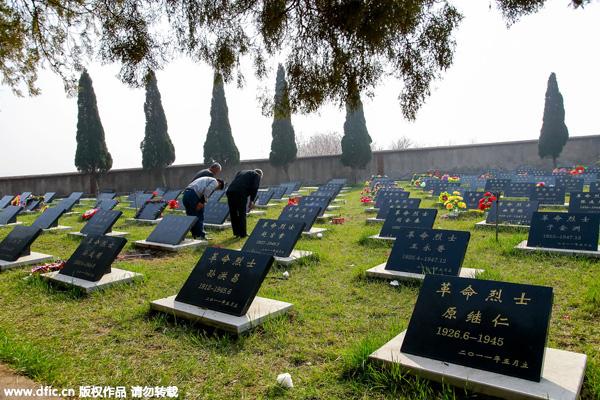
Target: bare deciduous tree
pixel 319 144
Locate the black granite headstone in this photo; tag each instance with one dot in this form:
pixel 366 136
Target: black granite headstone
pixel 263 197
pixel 33 203
pixel 16 244
pixel 24 196
pixel 324 193
pixel 471 199
pixel 75 196
pixel 225 280
pixel 107 204
pixel 428 251
pixel 105 196
pixel 274 237
pixel 494 326
pixel 67 204
pixel 49 218
pixel 409 202
pixel 133 195
pixel 306 214
pixel 476 183
pixel 9 215
pixel 278 192
pixel 5 201
pixel 548 195
pixel 139 201
pixel 575 231
pixel 320 201
pixel 518 189
pixel 172 229
pixel 512 212
pixel 496 185
pixel 101 223
pixel 48 197
pixel 385 194
pixel 93 257
pixel 584 202
pixel 401 217
pixel 216 212
pixel 216 195
pixel 594 187
pixel 151 210
pixel 160 191
pixel 289 188
pixel 569 184
pixel 171 195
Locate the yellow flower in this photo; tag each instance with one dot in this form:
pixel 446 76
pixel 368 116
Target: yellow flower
pixel 462 205
pixel 456 193
pixel 459 198
pixel 452 198
pixel 449 206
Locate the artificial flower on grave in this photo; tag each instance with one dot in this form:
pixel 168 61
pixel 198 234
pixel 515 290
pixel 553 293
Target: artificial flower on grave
pixel 293 201
pixel 559 170
pixel 173 204
pixel 157 214
pixel 485 176
pixel 16 201
pixel 89 213
pixel 455 202
pixel 578 170
pixel 42 209
pixel 445 177
pixel 444 197
pixel 486 201
pixel 154 193
pixel 417 182
pixel 541 184
pixel 42 269
pixel 453 178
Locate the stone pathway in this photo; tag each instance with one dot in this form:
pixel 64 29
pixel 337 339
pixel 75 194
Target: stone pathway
pixel 10 380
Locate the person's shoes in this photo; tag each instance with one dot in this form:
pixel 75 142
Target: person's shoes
pixel 204 238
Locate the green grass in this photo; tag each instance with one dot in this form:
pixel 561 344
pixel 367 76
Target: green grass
pixel 67 339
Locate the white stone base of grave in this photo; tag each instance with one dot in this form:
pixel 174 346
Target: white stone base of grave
pixel 343 193
pixel 58 228
pixel 294 256
pixel 326 217
pixel 185 244
pixel 111 234
pixel 31 259
pixel 144 221
pixel 380 272
pixel 377 237
pixel 557 206
pixel 116 277
pixel 485 224
pixel 562 374
pixel 568 252
pixel 256 212
pixel 299 192
pixel 333 208
pixel 260 311
pixel 338 200
pixel 374 221
pixel 311 187
pixel 371 210
pixel 219 227
pixel 314 231
pixel 265 206
pixel 280 200
pixel 9 225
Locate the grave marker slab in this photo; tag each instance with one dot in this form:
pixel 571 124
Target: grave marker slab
pixel 512 212
pixel 274 237
pixel 172 229
pixel 216 195
pixel 106 204
pixel 588 178
pixel 93 257
pixel 471 199
pixel 5 201
pixel 105 196
pixel 225 280
pixel 139 201
pixel 18 241
pixel 48 197
pixel 584 202
pixel 575 231
pixel 263 197
pixel 49 218
pixel 496 184
pixel 101 223
pixel 75 196
pixel 385 194
pixel 24 196
pixel 278 192
pixel 134 195
pixel 569 184
pixel 151 210
pixel 518 189
pixel 384 207
pixel 594 187
pixel 428 251
pixel 67 204
pixel 171 195
pixel 404 217
pixel 319 201
pixel 160 191
pixel 289 188
pixel 548 195
pixel 9 215
pixel 305 214
pixel 493 326
pixel 216 212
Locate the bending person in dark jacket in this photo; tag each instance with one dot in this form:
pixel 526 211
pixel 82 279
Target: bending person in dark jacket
pixel 195 198
pixel 244 185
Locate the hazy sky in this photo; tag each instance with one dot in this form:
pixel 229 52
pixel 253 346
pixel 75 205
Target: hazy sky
pixel 493 92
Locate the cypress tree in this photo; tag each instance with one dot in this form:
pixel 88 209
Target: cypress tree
pixel 356 143
pixel 92 156
pixel 554 133
pixel 157 149
pixel 283 146
pixel 219 145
